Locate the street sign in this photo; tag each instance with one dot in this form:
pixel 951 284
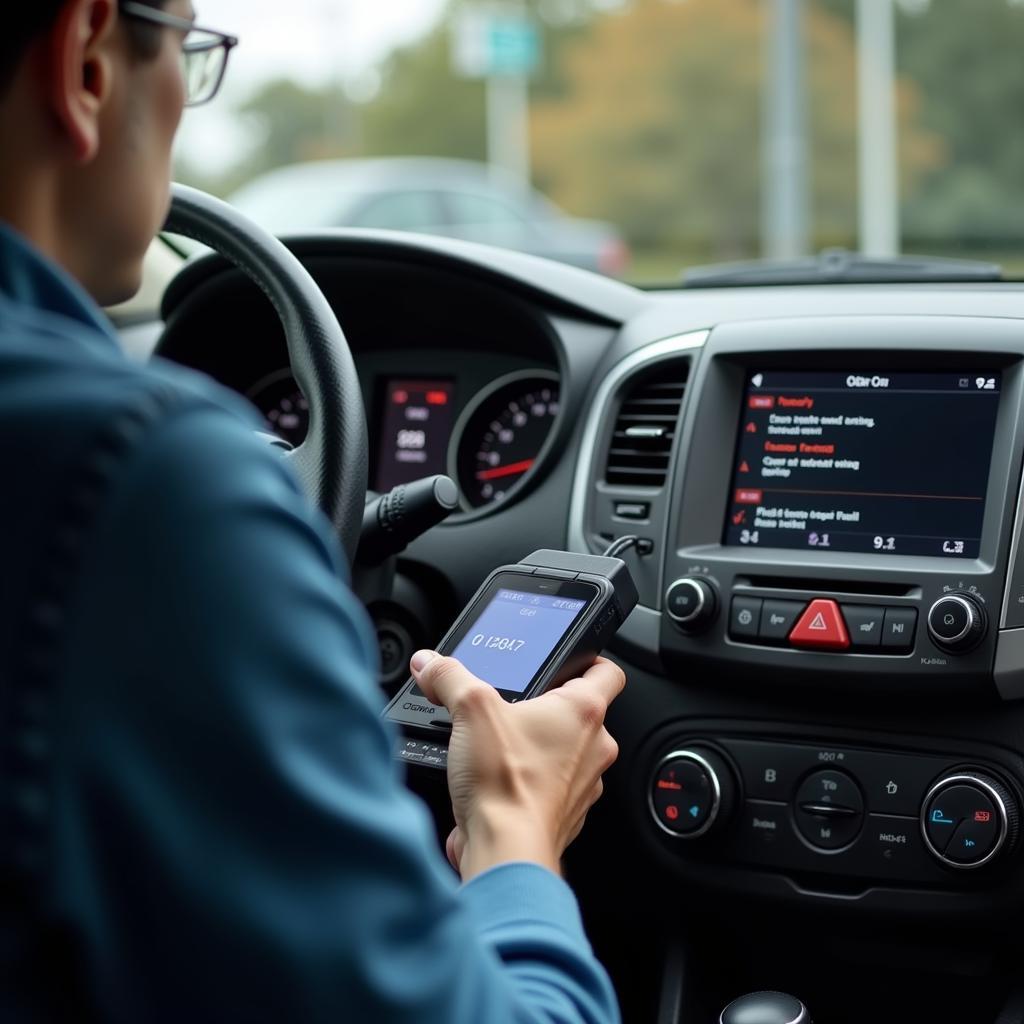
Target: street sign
pixel 490 42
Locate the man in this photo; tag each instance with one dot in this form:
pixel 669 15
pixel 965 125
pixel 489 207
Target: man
pixel 196 777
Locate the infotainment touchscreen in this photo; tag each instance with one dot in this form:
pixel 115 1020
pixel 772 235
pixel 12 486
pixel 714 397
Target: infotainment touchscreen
pixel 861 461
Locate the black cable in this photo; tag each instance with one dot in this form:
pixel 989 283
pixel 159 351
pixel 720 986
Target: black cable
pixel 643 545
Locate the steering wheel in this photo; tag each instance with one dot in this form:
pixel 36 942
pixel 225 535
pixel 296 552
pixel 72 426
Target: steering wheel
pixel 331 462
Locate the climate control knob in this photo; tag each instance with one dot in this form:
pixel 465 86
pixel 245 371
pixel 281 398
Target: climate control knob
pixel 956 623
pixel 691 791
pixel 692 603
pixel 968 819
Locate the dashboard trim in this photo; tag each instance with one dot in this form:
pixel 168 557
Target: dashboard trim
pixel 642 628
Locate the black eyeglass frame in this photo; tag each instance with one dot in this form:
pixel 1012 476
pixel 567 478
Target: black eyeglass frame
pixel 220 40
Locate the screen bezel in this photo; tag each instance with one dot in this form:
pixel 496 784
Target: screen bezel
pixel 533 583
pixel 383 385
pixel 748 389
pixel 703 472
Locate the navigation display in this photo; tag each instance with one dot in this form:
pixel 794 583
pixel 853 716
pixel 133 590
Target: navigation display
pixel 892 463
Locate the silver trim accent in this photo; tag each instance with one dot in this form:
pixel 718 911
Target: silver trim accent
pixel 973 619
pixel 974 780
pixel 1008 672
pixel 648 620
pixel 687 581
pixel 469 410
pixel 716 792
pixel 803 1017
pixel 645 432
pixel 1018 528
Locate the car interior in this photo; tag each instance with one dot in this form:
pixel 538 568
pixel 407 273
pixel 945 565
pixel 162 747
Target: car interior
pixel 821 760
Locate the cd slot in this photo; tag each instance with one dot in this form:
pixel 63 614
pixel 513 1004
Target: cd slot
pixel 870 588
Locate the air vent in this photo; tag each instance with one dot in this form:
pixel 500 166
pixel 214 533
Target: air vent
pixel 646 426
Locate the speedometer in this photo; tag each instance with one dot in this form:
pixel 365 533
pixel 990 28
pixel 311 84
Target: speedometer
pixel 500 434
pixel 282 403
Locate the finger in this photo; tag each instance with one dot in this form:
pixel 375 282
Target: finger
pixel 604 679
pixel 444 680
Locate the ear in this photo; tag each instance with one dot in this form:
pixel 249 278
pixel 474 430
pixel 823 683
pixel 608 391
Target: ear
pixel 80 71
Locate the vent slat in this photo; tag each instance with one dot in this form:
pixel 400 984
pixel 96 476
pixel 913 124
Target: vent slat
pixel 645 429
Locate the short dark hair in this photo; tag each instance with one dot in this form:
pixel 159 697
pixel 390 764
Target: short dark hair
pixel 26 20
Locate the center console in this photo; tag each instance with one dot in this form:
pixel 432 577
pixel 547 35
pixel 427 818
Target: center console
pixel 844 513
pixel 837 531
pixel 845 516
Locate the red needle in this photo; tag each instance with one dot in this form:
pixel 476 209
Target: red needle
pixel 510 470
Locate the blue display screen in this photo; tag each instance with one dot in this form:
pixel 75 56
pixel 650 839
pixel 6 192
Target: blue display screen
pixel 514 635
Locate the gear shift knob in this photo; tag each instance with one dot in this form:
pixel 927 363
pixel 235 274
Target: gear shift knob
pixel 765 1008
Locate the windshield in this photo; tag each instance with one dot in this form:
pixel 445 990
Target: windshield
pixel 636 138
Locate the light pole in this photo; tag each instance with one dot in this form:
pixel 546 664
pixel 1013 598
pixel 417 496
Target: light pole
pixel 785 214
pixel 878 185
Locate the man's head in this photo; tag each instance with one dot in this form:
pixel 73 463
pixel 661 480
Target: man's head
pixel 90 100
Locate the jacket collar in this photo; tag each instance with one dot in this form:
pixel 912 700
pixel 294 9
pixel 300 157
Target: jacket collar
pixel 27 278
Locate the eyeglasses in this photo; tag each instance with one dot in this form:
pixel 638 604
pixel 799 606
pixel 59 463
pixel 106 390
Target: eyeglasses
pixel 204 52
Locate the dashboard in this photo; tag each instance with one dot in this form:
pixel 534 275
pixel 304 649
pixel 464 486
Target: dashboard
pixel 487 442
pixel 822 738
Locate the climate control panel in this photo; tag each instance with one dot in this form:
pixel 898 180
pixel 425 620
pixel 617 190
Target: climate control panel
pixel 872 814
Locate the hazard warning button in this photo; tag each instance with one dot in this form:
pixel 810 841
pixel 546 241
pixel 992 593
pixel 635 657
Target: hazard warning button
pixel 821 626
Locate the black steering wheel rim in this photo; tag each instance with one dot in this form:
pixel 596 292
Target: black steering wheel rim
pixel 331 462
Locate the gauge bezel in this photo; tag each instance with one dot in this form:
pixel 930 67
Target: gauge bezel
pixel 284 373
pixel 271 378
pixel 470 410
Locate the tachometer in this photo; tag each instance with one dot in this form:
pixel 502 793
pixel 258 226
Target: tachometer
pixel 499 435
pixel 282 403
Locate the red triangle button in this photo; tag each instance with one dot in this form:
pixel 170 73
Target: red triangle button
pixel 821 626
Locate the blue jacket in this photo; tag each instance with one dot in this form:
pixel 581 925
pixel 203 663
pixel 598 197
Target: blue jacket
pixel 223 828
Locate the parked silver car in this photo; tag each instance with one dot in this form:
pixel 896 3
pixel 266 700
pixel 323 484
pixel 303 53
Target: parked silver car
pixel 455 198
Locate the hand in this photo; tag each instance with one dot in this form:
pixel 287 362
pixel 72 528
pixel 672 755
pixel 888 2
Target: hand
pixel 521 776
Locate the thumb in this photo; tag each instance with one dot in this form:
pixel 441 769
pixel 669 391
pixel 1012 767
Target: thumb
pixel 444 680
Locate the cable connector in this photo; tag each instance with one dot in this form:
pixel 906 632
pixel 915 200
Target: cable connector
pixel 643 545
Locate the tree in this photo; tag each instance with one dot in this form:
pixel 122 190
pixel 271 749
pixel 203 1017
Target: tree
pixel 660 127
pixel 423 109
pixel 966 61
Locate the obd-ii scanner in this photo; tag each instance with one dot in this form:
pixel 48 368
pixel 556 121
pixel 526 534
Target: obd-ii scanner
pixel 531 626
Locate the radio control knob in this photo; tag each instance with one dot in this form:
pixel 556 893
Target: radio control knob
pixel 692 603
pixel 956 623
pixel 691 792
pixel 968 819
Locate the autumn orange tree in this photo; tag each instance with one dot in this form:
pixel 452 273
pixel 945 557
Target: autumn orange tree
pixel 658 126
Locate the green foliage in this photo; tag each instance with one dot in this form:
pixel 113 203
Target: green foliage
pixel 660 128
pixel 968 62
pixel 423 109
pixel 648 113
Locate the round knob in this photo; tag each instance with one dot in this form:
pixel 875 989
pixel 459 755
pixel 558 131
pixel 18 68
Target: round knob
pixel 829 809
pixel 956 623
pixel 968 818
pixel 691 791
pixel 691 603
pixel 765 1008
